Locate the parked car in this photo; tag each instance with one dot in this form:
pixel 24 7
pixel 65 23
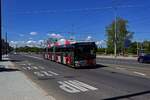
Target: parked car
pixel 144 58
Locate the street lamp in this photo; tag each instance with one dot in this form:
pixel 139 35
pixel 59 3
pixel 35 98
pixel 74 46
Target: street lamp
pixel 115 40
pixel 0 31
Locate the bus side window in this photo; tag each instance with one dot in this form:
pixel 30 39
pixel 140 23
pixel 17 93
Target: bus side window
pixel 92 51
pixel 44 49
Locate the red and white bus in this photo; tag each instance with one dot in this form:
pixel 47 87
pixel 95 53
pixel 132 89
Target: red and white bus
pixel 76 55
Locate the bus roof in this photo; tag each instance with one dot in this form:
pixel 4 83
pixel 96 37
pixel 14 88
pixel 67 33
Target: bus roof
pixel 76 43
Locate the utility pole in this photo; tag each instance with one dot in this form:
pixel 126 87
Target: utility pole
pixel 115 35
pixel 115 40
pixel 137 48
pixel 0 30
pixel 6 47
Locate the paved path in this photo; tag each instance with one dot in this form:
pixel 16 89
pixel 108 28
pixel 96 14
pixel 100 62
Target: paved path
pixel 14 85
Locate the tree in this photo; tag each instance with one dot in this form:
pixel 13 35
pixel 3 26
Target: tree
pixel 29 49
pixel 123 35
pixel 146 46
pixel 132 48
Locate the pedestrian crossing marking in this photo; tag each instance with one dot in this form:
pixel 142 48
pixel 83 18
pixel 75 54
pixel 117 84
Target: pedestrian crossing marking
pixel 45 73
pixel 74 86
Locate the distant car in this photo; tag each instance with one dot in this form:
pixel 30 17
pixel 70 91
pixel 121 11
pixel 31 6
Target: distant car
pixel 144 58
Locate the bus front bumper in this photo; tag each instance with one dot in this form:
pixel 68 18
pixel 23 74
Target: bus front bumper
pixel 91 62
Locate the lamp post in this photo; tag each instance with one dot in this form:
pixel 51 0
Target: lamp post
pixel 0 31
pixel 115 40
pixel 6 46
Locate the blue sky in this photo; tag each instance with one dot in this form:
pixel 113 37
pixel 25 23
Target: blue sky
pixel 83 17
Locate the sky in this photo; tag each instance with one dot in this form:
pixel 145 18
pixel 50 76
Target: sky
pixel 36 20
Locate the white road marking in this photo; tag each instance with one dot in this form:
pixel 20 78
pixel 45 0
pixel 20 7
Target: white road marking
pixel 41 67
pixel 24 68
pixel 84 85
pixel 29 64
pixel 140 73
pixel 68 88
pixel 120 68
pixel 29 68
pixel 46 73
pixel 53 73
pixel 74 86
pixel 23 64
pixel 34 67
pixel 39 74
pixel 34 57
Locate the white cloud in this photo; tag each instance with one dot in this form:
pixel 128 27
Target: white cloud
pixel 30 43
pixel 17 43
pixel 89 38
pixel 13 42
pixel 40 41
pixel 33 33
pixel 54 35
pixel 101 43
pixel 62 41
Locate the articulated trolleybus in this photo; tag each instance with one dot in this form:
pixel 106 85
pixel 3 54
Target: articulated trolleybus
pixel 77 54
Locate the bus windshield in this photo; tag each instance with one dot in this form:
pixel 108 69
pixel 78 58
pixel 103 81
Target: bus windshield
pixel 85 52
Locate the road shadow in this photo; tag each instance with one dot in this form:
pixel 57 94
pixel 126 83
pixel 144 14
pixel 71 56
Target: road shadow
pixel 45 78
pixel 12 60
pixel 70 77
pixel 92 67
pixel 147 63
pixel 128 96
pixel 3 69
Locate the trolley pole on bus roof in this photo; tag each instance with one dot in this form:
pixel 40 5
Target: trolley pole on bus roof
pixel 0 31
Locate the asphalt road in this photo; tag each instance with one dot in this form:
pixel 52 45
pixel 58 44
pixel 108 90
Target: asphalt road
pixel 65 83
pixel 128 62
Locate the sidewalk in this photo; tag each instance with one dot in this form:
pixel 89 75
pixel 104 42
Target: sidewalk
pixel 14 85
pixel 118 57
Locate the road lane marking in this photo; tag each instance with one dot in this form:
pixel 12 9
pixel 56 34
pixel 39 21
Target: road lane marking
pixel 34 67
pixel 39 74
pixel 140 73
pixel 84 85
pixel 41 67
pixel 53 73
pixel 29 68
pixel 74 86
pixel 120 68
pixel 68 88
pixel 22 64
pixel 46 73
pixel 29 64
pixel 24 68
pixel 34 57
